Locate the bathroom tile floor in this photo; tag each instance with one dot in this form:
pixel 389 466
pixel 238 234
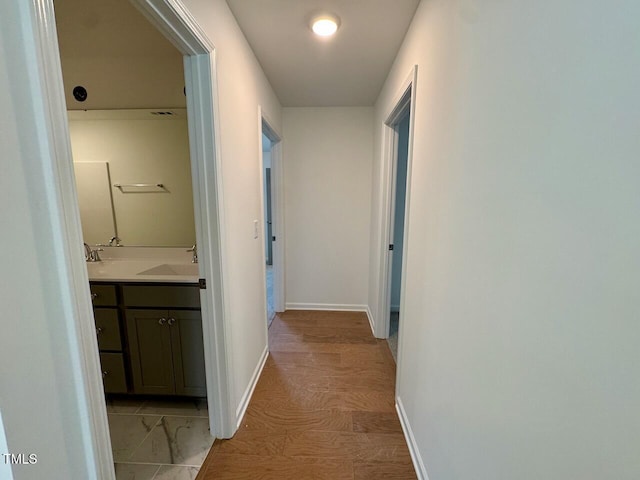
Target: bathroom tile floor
pixel 158 439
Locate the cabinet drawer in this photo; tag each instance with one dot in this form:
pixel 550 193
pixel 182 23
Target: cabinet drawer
pixel 107 329
pixel 113 375
pixel 180 296
pixel 103 295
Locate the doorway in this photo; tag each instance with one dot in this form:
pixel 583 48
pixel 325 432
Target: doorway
pixel 397 143
pixel 268 226
pixel 397 245
pixel 133 164
pixel 200 78
pixel 270 166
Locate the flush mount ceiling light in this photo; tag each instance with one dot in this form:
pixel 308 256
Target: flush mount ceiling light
pixel 325 25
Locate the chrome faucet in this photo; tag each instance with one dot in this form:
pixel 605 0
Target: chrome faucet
pixel 92 255
pixel 115 239
pixel 87 252
pixel 194 249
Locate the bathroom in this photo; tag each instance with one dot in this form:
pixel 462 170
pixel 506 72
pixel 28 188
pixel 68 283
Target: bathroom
pixel 127 112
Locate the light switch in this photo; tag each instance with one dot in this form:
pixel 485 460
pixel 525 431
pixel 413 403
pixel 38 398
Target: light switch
pixel 255 229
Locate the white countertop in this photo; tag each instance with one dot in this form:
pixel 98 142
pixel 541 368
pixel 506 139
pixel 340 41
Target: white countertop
pixel 126 264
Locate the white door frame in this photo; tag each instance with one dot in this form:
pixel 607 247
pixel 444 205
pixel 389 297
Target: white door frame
pixel 176 23
pixel 265 126
pixel 403 101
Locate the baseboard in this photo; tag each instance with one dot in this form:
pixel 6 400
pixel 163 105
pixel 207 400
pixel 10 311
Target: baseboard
pixel 370 318
pixel 418 464
pixel 244 402
pixel 336 307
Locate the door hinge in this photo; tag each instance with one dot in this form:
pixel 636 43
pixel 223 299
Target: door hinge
pixel 202 283
pixel 391 247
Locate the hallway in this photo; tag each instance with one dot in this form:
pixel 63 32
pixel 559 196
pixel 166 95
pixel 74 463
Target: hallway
pixel 323 407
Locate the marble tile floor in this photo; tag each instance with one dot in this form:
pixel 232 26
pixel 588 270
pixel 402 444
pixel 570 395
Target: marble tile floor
pixel 158 439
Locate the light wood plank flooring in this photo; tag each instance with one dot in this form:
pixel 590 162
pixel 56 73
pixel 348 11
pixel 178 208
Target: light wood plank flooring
pixel 322 409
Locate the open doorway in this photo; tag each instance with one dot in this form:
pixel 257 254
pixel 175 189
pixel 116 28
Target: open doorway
pixel 268 226
pixel 200 78
pixel 134 181
pixel 397 136
pixel 273 230
pixel 397 246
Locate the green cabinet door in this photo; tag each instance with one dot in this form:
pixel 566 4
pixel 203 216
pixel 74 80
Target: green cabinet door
pixel 113 376
pixel 150 349
pixel 107 329
pixel 188 352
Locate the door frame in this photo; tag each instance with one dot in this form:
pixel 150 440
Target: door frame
pixel 265 126
pixel 172 19
pixel 403 102
pixel 175 22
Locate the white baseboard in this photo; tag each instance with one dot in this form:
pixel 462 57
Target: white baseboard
pixel 370 317
pixel 418 464
pixel 244 402
pixel 336 307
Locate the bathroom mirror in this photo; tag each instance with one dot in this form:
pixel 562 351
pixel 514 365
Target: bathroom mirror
pixel 133 176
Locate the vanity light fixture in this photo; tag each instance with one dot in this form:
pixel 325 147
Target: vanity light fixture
pixel 325 25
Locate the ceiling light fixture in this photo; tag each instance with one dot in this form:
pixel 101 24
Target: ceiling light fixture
pixel 325 25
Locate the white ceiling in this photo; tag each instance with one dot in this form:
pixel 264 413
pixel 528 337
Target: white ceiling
pixel 304 70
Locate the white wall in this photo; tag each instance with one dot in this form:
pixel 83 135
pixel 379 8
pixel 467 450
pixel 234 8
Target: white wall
pixel 42 400
pixel 5 467
pixel 242 86
pixel 327 170
pixel 141 148
pixel 519 347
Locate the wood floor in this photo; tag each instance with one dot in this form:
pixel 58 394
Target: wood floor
pixel 322 409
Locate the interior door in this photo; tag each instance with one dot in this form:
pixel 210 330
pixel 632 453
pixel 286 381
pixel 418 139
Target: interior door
pixel 269 217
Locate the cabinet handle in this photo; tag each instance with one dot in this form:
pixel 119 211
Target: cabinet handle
pixel 98 330
pixel 162 321
pixel 172 321
pixel 105 373
pixel 94 296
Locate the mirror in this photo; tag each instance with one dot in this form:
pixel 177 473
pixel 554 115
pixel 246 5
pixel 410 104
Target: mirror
pixel 133 176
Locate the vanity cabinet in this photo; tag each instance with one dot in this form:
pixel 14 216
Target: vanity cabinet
pixel 152 335
pixel 167 353
pixel 110 345
pixel 166 346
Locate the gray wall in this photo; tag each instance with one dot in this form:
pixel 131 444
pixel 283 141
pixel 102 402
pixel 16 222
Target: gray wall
pixel 141 148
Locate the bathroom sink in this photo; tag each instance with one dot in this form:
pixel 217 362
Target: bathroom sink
pixel 172 269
